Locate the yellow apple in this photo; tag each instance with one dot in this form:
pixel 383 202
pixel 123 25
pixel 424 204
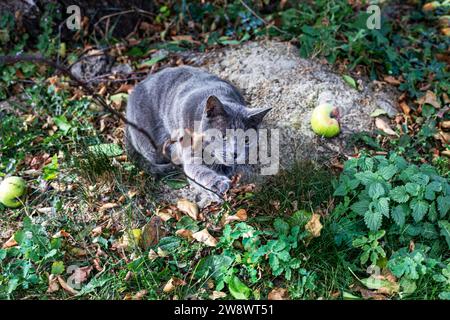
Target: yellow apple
pixel 322 122
pixel 11 189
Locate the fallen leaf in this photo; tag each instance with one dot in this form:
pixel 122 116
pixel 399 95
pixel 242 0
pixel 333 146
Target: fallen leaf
pixel 217 295
pixel 429 98
pixel 10 243
pixel 241 215
pixel 81 274
pixel 384 126
pixel 152 232
pixel 53 284
pixel 185 234
pixel 152 255
pixel 61 234
pixel 204 237
pixel 96 231
pixel 172 284
pixel 161 253
pixel 107 206
pixel 405 108
pixel 392 80
pixel 165 214
pixel 191 209
pixel 314 226
pixel 182 38
pixel 66 287
pixel 278 294
pixel 139 295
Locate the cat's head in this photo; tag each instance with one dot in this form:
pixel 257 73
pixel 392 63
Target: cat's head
pixel 237 126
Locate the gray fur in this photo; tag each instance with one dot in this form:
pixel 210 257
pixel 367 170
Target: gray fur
pixel 173 99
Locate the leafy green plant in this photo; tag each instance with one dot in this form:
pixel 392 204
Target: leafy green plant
pixel 20 265
pixel 371 247
pixel 393 190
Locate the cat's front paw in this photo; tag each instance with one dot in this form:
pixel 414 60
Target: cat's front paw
pixel 220 185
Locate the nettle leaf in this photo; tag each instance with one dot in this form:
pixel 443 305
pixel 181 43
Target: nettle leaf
pixel 419 209
pixel 429 231
pixel 445 230
pixel 360 207
pixel 373 220
pixel 367 163
pixel 420 178
pixel 399 194
pixel 413 188
pixel 432 212
pixel 382 205
pixel 376 190
pixel 399 214
pixel 443 205
pixel 407 173
pixel 366 177
pixel 387 172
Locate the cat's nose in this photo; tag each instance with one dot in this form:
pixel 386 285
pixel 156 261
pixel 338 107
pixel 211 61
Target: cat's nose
pixel 235 156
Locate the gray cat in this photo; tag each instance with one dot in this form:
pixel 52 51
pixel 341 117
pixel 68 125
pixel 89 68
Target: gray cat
pixel 187 99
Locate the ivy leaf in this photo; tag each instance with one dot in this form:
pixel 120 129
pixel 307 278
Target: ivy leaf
pixel 399 194
pixel 376 190
pixel 387 172
pixel 373 220
pixel 443 203
pixel 419 209
pixel 399 214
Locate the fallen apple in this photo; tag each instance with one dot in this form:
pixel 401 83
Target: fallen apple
pixel 11 189
pixel 323 120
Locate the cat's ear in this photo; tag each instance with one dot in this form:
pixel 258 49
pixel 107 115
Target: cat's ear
pixel 214 107
pixel 255 116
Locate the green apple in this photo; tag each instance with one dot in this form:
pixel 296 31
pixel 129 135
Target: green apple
pixel 322 121
pixel 11 189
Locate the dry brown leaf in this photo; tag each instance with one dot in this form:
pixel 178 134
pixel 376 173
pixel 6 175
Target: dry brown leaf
pixel 445 125
pixel 107 206
pixel 278 294
pixel 314 226
pixel 392 80
pixel 96 231
pixel 172 284
pixel 431 99
pixel 189 208
pixel 185 234
pixel 152 255
pixel 217 295
pixel 61 234
pixel 152 232
pixel 204 237
pixel 165 214
pixel 139 295
pixel 241 215
pixel 405 108
pixel 10 243
pixel 66 287
pixel 182 37
pixel 53 284
pixel 384 126
pixel 80 275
